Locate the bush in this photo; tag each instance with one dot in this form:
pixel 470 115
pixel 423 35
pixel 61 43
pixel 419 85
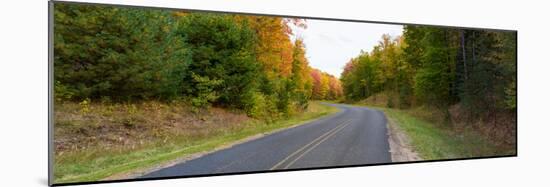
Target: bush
pixel 85 106
pixel 205 91
pixel 256 106
pixel 390 103
pixel 62 92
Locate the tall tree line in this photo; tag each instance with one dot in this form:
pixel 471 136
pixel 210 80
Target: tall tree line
pixel 126 55
pixel 325 86
pixel 439 67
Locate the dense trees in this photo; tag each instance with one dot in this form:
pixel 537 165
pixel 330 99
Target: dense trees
pixel 489 78
pixel 325 86
pixel 439 67
pixel 434 74
pixel 222 68
pixel 243 62
pixel 301 81
pixel 112 53
pixel 382 69
pixel 470 67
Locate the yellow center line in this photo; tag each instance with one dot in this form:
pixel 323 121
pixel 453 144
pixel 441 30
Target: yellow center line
pixel 318 143
pixel 305 146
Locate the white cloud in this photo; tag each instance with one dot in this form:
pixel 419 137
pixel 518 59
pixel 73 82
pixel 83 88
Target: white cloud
pixel 330 44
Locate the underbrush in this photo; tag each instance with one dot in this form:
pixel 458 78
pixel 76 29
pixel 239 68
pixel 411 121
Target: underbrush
pixel 435 142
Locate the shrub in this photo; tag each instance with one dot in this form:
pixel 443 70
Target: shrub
pixel 85 106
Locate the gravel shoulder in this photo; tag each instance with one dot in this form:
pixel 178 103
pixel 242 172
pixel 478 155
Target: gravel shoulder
pixel 400 148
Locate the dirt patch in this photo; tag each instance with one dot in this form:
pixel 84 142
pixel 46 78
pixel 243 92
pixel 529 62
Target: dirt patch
pixel 400 148
pixel 116 127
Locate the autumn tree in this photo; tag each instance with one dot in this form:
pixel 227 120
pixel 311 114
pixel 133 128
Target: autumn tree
pixel 325 86
pixel 248 63
pixel 301 81
pixel 439 67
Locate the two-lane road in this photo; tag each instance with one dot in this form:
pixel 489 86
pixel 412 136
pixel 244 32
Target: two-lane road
pixel 353 136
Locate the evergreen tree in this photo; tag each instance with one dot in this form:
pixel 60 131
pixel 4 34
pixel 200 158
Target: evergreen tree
pixel 117 53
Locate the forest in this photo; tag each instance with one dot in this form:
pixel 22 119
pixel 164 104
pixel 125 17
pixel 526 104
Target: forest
pixel 137 88
pixel 249 63
pixel 467 75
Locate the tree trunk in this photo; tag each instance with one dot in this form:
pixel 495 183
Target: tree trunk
pixel 473 48
pixel 464 55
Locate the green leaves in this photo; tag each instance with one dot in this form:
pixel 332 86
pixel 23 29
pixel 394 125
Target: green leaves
pixel 221 50
pixel 205 90
pixel 127 54
pixel 438 66
pixel 433 76
pixel 121 53
pixel 374 72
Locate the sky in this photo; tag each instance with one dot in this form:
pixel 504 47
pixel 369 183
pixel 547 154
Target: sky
pixel 331 44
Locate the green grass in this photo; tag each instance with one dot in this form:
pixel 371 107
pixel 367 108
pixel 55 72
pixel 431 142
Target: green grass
pixel 435 142
pixel 76 168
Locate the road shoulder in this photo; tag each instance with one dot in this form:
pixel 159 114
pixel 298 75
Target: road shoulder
pixel 400 144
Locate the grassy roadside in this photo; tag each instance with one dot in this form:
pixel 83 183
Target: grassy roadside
pixel 96 162
pixel 436 142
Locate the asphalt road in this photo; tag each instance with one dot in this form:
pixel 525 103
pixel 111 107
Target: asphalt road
pixel 353 136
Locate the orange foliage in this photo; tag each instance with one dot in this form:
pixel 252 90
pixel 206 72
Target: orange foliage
pixel 325 86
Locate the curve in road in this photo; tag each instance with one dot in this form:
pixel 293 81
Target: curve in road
pixel 353 136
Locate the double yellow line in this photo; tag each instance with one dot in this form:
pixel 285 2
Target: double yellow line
pixel 310 146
